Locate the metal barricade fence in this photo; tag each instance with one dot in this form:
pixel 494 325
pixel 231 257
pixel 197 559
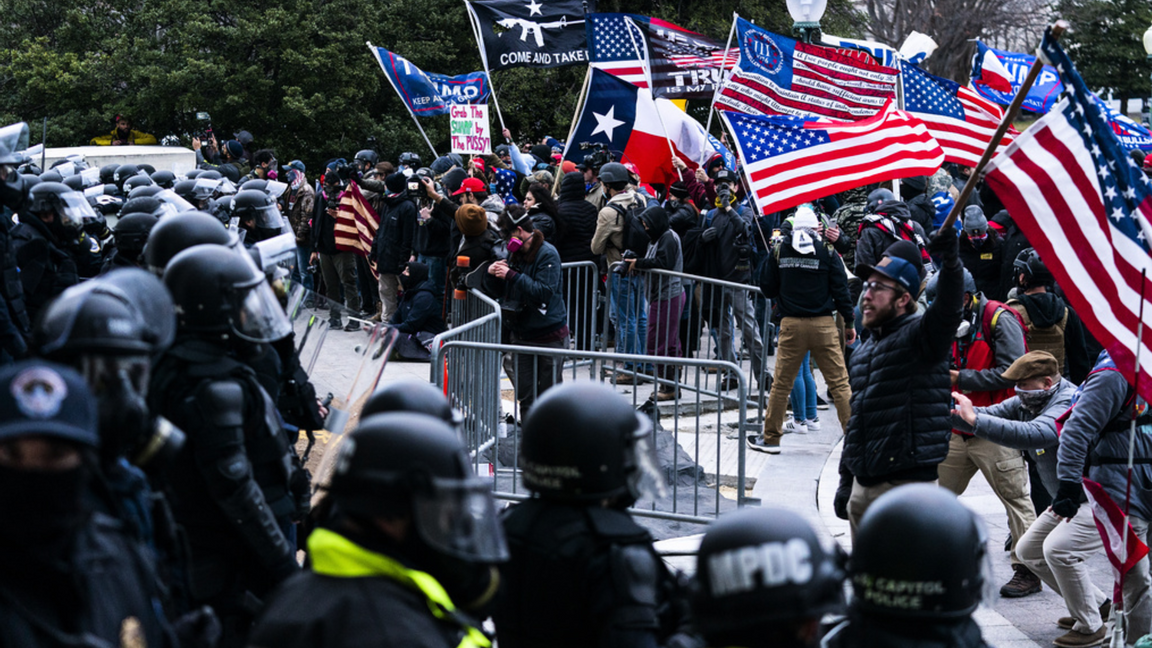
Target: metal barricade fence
pixel 702 325
pixel 479 321
pixel 581 281
pixel 688 402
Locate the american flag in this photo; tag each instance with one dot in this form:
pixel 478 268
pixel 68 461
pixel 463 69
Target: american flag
pixel 961 120
pixel 791 160
pixel 504 185
pixel 356 222
pixel 781 76
pixel 683 64
pixel 1085 206
pixel 1112 525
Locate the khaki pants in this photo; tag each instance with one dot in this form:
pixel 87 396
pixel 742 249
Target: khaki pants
pixel 798 336
pixel 1056 551
pixel 389 291
pixel 863 496
pixel 1006 472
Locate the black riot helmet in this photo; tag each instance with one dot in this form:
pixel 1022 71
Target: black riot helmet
pixel 221 208
pixel 139 180
pixel 410 160
pixel 219 292
pixel 185 189
pixel 91 318
pixel 919 553
pixel 147 169
pixel 51 176
pixel 70 206
pixel 575 452
pixel 878 197
pixel 132 229
pixel 175 234
pixel 366 156
pixel 153 300
pixel 123 172
pixel 411 396
pixel 75 182
pixel 108 174
pixel 149 190
pixel 255 184
pixel 406 464
pixel 259 207
pixel 759 571
pixel 209 174
pixel 165 179
pixel 1029 264
pixel 193 174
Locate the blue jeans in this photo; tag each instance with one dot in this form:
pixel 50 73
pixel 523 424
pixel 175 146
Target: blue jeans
pixel 803 397
pixel 631 313
pixel 300 273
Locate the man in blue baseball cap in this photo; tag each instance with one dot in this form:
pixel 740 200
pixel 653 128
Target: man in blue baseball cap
pixel 68 574
pixel 901 390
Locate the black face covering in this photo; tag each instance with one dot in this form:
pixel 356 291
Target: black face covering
pixel 417 274
pixel 41 511
pixel 124 417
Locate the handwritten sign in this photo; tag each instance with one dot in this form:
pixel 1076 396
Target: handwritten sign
pixel 470 130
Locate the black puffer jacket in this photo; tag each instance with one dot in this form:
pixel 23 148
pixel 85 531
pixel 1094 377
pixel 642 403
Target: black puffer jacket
pixel 578 217
pixel 393 244
pixel 901 393
pixel 985 265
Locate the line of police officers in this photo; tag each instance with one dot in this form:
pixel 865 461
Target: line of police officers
pixel 152 496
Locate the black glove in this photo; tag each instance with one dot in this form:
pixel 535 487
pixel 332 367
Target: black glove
pixel 945 244
pixel 709 234
pixel 199 628
pixel 843 494
pixel 1067 500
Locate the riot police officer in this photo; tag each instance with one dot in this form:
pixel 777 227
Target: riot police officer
pixel 231 481
pixel 411 396
pixel 763 580
pixel 47 242
pixel 919 568
pixel 131 234
pixel 173 235
pixel 258 215
pixel 582 572
pixel 413 541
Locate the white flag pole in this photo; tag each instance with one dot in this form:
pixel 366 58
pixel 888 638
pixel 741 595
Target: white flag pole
pixel 376 53
pixel 629 26
pixel 724 74
pixel 474 20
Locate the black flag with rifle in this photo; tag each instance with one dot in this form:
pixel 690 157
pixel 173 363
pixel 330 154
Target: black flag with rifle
pixel 530 33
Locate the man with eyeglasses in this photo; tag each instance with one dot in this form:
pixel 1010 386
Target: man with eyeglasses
pixel 901 390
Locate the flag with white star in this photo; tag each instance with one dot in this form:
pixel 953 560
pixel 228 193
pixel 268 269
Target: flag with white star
pixel 504 185
pixel 790 160
pixel 1086 207
pixel 530 33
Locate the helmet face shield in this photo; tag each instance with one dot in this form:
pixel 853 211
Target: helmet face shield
pixel 261 318
pixel 645 480
pixel 268 217
pixel 75 211
pixel 457 517
pixel 108 373
pixel 173 203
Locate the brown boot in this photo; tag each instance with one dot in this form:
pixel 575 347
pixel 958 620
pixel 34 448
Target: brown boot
pixel 1073 639
pixel 1023 583
pixel 1066 623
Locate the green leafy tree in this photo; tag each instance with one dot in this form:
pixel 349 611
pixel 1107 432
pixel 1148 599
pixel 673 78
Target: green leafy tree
pixel 1105 45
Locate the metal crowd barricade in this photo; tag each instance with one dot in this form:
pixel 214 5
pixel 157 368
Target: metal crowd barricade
pixel 581 296
pixel 684 453
pixel 466 377
pixel 713 312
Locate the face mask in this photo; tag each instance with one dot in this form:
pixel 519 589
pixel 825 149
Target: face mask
pixel 1034 399
pixel 41 509
pixel 977 238
pixel 514 244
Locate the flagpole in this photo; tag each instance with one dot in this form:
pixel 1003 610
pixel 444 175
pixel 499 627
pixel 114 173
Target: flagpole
pixel 475 22
pixel 1009 115
pixel 724 73
pixel 1121 625
pixel 648 74
pixel 376 53
pixel 579 107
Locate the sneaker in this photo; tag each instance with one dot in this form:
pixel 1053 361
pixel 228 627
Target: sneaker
pixel 1073 639
pixel 1023 583
pixel 352 325
pixel 1066 623
pixel 757 443
pixel 335 324
pixel 814 425
pixel 821 404
pixel 728 384
pixel 793 426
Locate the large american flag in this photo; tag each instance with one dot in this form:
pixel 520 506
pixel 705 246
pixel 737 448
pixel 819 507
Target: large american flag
pixel 791 160
pixel 683 64
pixel 356 222
pixel 781 76
pixel 1085 206
pixel 961 120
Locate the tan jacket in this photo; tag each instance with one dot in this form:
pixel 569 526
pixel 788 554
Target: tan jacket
pixel 608 239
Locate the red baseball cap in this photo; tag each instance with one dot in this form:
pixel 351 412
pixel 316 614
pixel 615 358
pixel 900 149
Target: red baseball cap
pixel 471 185
pixel 478 163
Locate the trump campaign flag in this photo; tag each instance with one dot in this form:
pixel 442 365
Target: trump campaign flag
pixel 1085 206
pixel 1006 71
pixel 790 160
pixel 426 93
pixel 638 129
pixel 682 64
pixel 781 76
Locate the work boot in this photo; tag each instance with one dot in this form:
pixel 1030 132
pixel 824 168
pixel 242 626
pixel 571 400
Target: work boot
pixel 667 393
pixel 1023 583
pixel 1073 639
pixel 1066 623
pixel 335 324
pixel 352 325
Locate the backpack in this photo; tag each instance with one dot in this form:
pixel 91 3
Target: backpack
pixel 635 237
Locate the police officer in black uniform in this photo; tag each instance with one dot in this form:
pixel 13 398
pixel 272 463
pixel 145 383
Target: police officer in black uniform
pixel 764 580
pixel 231 481
pixel 412 543
pixel 582 571
pixel 919 568
pixel 69 576
pixel 47 242
pixel 174 235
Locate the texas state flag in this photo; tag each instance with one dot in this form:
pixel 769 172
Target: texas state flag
pixel 626 119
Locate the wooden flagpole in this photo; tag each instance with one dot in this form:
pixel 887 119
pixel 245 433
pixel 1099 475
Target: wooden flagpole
pixel 376 54
pixel 1009 116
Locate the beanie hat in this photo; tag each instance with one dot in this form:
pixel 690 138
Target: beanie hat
pixel 542 153
pixel 544 177
pixel 395 183
pixel 974 220
pixel 471 220
pixel 678 189
pixel 235 149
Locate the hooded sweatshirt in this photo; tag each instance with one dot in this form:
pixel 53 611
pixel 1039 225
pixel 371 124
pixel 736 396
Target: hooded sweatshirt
pixel 663 253
pixel 579 219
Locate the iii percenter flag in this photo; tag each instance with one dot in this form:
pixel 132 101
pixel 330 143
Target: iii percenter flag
pixel 791 160
pixel 1085 206
pixel 531 33
pixel 426 93
pixel 782 76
